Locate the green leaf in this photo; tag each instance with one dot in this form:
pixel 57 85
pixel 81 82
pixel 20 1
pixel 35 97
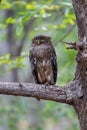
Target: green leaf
pixel 42 11
pixel 65 3
pixel 19 29
pixel 30 7
pixel 10 20
pixel 5 59
pixel 5 5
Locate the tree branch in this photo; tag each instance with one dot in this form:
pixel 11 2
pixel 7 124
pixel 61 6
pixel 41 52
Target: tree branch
pixel 66 34
pixel 65 94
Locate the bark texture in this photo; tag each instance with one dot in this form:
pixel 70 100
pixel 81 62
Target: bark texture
pixel 54 93
pixel 80 105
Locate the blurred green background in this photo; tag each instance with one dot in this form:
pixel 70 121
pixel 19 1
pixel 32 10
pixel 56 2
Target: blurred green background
pixel 20 21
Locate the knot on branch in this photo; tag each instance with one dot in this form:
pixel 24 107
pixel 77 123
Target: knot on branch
pixel 72 45
pixel 74 91
pixel 81 47
pixel 82 51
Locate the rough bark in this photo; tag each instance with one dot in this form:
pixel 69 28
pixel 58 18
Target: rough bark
pixel 80 7
pixel 80 105
pixel 67 94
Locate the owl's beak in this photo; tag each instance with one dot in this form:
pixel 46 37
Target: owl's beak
pixel 38 41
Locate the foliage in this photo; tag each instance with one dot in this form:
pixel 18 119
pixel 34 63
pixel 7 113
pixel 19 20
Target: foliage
pixel 53 18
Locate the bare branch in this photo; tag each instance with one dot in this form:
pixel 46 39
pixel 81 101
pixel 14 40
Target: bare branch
pixel 66 34
pixel 72 45
pixel 54 93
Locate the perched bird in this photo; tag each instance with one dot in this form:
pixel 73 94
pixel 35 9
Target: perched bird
pixel 43 60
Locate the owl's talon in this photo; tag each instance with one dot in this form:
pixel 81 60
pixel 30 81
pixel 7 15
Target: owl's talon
pixel 38 99
pixel 46 84
pixel 20 84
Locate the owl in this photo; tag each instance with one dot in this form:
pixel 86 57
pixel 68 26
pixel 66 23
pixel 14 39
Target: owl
pixel 43 60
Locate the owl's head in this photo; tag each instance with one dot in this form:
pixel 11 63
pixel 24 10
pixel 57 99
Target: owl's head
pixel 41 39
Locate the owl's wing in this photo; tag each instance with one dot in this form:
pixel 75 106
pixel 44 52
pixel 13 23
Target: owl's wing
pixel 54 66
pixel 33 62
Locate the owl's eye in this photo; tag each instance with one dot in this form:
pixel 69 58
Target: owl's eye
pixel 36 40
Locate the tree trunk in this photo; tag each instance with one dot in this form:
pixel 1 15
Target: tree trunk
pixel 80 105
pixel 14 49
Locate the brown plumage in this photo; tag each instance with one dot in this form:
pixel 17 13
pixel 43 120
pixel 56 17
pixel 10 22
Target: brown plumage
pixel 43 60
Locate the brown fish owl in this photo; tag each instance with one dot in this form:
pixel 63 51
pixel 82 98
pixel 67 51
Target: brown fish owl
pixel 43 60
